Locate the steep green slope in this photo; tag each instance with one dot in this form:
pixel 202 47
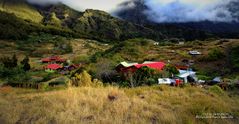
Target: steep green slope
pixel 21 9
pixel 93 24
pixel 58 15
pixel 96 24
pixel 102 25
pixel 12 27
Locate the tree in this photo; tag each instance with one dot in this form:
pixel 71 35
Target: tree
pixel 215 54
pixel 80 78
pixel 14 61
pixel 9 62
pixel 25 63
pixel 172 70
pixel 143 76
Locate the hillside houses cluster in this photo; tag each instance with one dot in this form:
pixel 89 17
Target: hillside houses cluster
pixel 56 63
pixel 185 74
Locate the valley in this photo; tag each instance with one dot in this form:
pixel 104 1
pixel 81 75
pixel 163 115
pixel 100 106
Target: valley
pixel 62 64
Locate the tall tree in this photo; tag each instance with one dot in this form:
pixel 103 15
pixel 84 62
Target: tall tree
pixel 14 61
pixel 25 63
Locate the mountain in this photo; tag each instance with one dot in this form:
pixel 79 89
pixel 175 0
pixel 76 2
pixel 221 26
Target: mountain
pixel 93 24
pixel 134 14
pixel 59 19
pixel 21 9
pixel 234 8
pixel 137 15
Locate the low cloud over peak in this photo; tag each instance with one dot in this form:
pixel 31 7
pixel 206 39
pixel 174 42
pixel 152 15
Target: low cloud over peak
pixel 189 10
pixel 159 10
pixel 81 5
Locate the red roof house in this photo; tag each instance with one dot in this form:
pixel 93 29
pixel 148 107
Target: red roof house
pixel 53 66
pixel 154 65
pixel 53 59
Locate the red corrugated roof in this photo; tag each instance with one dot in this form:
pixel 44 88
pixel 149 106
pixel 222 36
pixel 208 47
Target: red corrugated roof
pixel 53 66
pixel 53 58
pixel 45 60
pixel 153 65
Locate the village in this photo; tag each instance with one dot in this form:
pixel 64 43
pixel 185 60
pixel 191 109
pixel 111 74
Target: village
pixel 183 75
pixel 119 62
pixel 135 76
pixel 134 65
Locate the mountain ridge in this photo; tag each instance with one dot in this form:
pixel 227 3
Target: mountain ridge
pixel 95 24
pixel 220 29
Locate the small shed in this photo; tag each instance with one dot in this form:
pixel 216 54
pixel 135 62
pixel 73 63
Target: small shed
pixel 164 81
pixel 194 52
pixel 186 75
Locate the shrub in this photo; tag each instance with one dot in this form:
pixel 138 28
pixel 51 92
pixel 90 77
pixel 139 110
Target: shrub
pixel 25 63
pixel 172 70
pixel 14 75
pixel 215 54
pixel 216 89
pixel 234 57
pixel 81 59
pixel 143 76
pixel 9 62
pixel 80 78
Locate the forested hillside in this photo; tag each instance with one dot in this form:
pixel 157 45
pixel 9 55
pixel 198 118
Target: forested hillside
pixel 93 24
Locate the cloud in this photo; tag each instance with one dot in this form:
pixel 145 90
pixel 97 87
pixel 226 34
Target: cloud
pixel 81 5
pixel 188 10
pixel 158 10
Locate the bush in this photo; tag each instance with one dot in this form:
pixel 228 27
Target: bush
pixel 216 89
pixel 14 75
pixel 25 64
pixel 143 76
pixel 234 58
pixel 215 54
pixel 81 59
pixel 9 62
pixel 80 78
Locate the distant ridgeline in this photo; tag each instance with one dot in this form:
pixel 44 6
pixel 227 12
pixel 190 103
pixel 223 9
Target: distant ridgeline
pixel 187 30
pixel 19 19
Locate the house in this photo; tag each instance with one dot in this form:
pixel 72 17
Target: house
pixel 154 65
pixel 132 67
pixel 53 67
pixel 164 81
pixel 156 43
pixel 71 67
pixel 181 43
pixel 194 52
pixel 53 59
pixel 123 66
pixel 187 75
pixel 182 67
pixel 216 80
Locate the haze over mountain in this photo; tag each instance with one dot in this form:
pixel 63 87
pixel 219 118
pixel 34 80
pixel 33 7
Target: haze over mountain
pixel 139 18
pixel 214 16
pixel 160 10
pixel 93 24
pixel 171 11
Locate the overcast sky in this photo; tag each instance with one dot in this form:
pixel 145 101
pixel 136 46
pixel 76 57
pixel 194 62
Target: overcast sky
pixel 160 10
pixel 106 5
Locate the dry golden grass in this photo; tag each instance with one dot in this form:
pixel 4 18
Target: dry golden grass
pixel 156 104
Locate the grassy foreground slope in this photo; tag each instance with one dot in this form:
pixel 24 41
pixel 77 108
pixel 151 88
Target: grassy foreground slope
pixel 157 104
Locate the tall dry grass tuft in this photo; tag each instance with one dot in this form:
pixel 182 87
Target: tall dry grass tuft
pixel 156 104
pixel 83 79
